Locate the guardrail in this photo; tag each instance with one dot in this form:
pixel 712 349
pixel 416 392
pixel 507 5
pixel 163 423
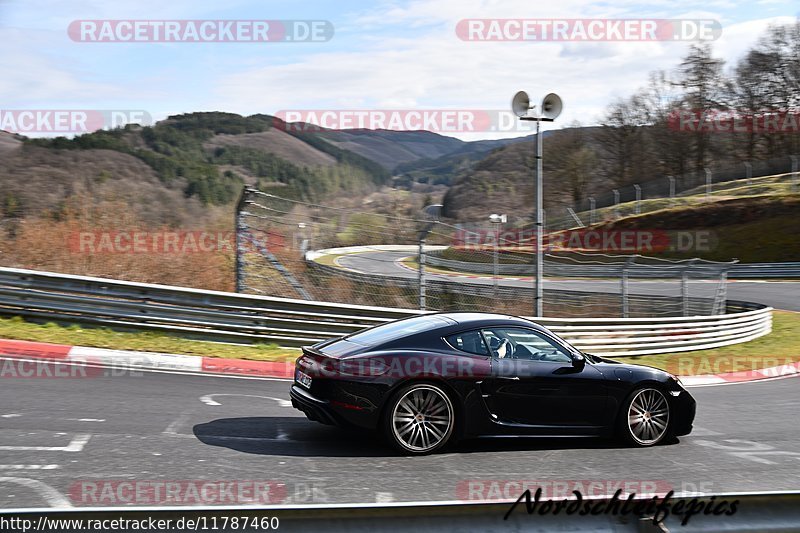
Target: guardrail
pixel 566 270
pixel 241 318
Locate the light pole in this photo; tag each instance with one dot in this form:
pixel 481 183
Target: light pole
pixel 496 220
pixel 549 109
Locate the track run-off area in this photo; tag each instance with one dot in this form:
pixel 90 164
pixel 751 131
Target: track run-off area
pixel 73 441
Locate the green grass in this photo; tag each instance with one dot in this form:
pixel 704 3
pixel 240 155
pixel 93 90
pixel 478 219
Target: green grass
pixel 780 347
pixel 18 329
pixel 779 185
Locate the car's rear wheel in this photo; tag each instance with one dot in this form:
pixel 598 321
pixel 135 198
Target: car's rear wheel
pixel 645 418
pixel 419 419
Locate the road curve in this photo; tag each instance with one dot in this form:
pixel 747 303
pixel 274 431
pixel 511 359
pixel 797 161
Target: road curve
pixel 777 294
pixel 55 433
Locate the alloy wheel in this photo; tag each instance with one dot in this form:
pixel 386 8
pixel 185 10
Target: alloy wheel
pixel 422 418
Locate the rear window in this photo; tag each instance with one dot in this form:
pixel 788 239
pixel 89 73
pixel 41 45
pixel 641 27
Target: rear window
pixel 395 330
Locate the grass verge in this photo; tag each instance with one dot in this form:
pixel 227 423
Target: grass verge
pixel 18 329
pixel 780 347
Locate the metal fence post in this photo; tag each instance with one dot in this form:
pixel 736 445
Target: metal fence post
pixel 721 295
pixel 685 287
pixel 638 190
pixel 624 286
pixel 616 203
pixel 671 188
pixel 748 168
pixel 432 214
pixel 624 290
pixel 592 207
pixel 795 176
pixel 708 184
pixel 239 224
pixel 685 293
pixel 422 302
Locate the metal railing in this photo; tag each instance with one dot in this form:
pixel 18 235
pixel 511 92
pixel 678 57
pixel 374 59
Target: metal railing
pixel 613 270
pixel 248 319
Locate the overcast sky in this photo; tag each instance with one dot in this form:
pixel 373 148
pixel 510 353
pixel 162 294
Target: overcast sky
pixel 384 55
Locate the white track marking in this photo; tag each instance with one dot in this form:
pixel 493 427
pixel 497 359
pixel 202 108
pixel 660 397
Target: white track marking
pixel 29 467
pixel 208 399
pixel 11 415
pixel 155 371
pixel 50 495
pixel 86 419
pixel 172 428
pixel 76 445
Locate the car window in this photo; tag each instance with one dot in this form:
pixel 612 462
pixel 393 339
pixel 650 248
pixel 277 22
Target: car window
pixel 469 341
pixel 395 330
pixel 524 344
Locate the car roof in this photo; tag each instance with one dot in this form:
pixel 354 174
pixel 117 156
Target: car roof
pixel 467 318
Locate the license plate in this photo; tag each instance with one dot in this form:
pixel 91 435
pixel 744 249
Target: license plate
pixel 302 378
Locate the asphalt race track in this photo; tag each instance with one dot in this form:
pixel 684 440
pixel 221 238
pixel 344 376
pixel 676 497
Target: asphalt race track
pixel 155 426
pixel 780 295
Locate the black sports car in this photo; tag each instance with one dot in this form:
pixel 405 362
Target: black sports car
pixel 431 379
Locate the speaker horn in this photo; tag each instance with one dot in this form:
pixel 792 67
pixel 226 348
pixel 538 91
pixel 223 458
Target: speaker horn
pixel 521 104
pixel 551 106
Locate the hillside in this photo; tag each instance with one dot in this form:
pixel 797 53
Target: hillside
pixel 753 229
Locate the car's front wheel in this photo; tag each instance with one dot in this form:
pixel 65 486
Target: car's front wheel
pixel 419 419
pixel 645 418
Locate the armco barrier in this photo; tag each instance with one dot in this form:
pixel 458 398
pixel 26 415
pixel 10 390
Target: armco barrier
pixel 566 270
pixel 240 318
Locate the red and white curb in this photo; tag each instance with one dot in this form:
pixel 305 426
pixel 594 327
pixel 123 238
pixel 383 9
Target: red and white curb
pixel 273 369
pixel 144 360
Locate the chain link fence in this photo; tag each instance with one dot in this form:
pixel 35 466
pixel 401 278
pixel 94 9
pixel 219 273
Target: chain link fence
pixel 651 194
pixel 302 250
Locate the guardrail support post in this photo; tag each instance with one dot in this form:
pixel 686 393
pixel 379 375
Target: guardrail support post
pixel 638 190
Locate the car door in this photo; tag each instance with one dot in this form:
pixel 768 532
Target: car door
pixel 534 382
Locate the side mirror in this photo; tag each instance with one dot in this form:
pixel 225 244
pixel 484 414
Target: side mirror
pixel 578 361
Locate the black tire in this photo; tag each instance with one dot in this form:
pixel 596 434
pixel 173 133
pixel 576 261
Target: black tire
pixel 645 418
pixel 419 419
